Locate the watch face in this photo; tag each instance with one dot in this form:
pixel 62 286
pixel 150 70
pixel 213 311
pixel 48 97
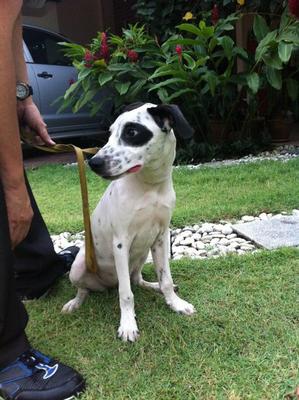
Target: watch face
pixel 22 91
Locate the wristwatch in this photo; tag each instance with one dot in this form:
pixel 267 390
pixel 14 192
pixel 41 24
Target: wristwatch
pixel 23 91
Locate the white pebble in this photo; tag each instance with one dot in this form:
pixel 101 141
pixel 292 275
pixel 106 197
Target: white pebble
pixel 248 218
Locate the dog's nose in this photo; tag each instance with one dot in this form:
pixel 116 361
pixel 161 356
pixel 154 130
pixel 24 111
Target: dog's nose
pixel 97 164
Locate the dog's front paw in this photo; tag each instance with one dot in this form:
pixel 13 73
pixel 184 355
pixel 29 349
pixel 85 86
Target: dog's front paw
pixel 71 306
pixel 181 306
pixel 128 332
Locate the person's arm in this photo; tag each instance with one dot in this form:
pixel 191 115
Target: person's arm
pixel 11 163
pixel 28 112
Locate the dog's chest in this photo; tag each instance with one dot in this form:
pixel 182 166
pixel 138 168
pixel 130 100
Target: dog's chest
pixel 150 218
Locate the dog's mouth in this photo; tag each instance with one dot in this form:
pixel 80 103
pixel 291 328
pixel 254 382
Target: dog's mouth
pixel 136 168
pixel 131 170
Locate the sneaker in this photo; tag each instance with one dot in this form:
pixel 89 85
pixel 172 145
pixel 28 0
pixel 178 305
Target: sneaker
pixel 68 256
pixel 34 376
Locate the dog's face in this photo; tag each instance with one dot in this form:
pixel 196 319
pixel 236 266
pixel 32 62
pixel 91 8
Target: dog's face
pixel 139 138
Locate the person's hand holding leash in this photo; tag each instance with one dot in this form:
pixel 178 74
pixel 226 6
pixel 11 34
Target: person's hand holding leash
pixel 30 118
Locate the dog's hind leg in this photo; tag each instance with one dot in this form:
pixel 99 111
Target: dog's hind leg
pixel 138 280
pixel 76 302
pixel 83 280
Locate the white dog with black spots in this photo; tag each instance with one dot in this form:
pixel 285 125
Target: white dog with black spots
pixel 133 216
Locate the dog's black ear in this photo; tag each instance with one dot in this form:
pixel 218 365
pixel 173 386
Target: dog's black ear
pixel 170 116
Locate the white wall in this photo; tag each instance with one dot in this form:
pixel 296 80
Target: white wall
pixel 45 17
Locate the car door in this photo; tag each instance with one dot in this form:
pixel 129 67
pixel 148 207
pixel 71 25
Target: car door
pixel 53 73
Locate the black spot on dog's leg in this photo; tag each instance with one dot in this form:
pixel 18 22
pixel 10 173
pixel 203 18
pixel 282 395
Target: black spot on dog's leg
pixel 119 245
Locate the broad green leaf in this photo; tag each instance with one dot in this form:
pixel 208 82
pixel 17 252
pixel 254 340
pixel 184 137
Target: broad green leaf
pixel 65 103
pixel 71 89
pixel 191 63
pixel 264 45
pixel 212 80
pixel 293 88
pixel 253 82
pixel 224 27
pixel 201 61
pixel 179 93
pixel 136 87
pixel 207 32
pixel 227 43
pixel 164 70
pixel 260 27
pixel 84 99
pixel 172 72
pixel 86 84
pixel 166 83
pixel 190 28
pixel 104 77
pixel 284 20
pixel 122 87
pixel 73 50
pixel 163 95
pixel 242 53
pixel 100 63
pixel 272 60
pixel 290 36
pixel 274 77
pixel 213 43
pixel 84 73
pixel 119 67
pixel 285 51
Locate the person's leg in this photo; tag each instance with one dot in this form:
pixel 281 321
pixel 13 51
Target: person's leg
pixel 13 317
pixel 37 265
pixel 24 372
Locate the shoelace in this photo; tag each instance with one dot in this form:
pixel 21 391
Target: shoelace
pixel 30 359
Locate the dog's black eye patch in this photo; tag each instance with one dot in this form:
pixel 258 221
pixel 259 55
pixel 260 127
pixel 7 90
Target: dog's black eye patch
pixel 134 134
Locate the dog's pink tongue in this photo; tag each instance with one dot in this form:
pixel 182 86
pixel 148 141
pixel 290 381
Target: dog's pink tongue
pixel 136 168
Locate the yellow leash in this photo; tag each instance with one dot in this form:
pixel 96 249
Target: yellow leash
pixel 27 137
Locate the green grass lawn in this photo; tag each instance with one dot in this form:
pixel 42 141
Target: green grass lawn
pixel 205 194
pixel 242 343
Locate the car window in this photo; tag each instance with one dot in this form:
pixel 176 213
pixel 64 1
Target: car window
pixel 44 47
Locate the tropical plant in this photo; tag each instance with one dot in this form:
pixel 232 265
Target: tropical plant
pixel 276 64
pixel 201 74
pixel 121 65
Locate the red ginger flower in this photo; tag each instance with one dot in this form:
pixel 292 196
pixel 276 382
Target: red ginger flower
pixel 132 55
pixel 294 7
pixel 104 50
pixel 215 14
pixel 179 51
pixel 88 59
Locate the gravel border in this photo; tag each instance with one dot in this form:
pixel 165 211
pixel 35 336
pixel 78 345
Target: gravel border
pixel 281 153
pixel 199 241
